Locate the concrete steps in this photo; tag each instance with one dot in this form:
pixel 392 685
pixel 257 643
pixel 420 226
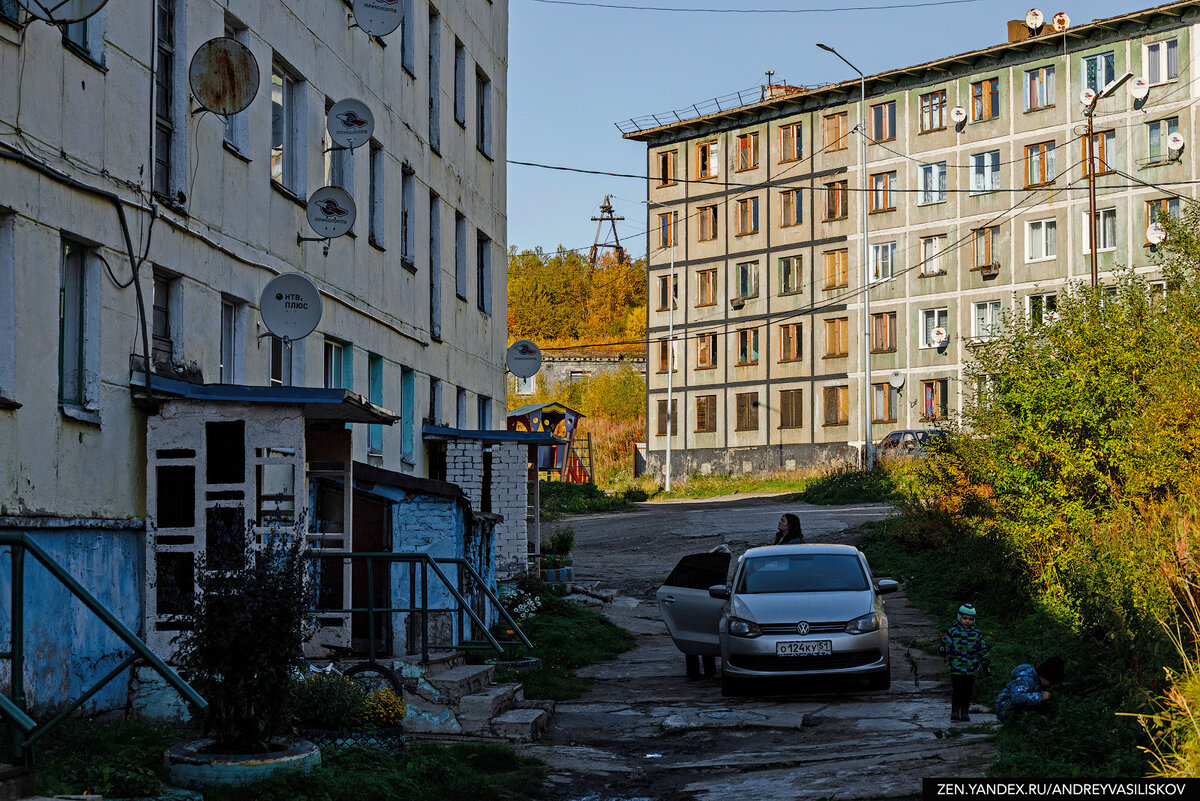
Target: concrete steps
pixel 15 782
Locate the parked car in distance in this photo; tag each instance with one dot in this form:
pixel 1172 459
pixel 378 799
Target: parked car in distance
pixel 791 611
pixel 907 442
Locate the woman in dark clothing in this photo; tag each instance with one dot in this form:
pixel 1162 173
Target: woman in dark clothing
pixel 789 531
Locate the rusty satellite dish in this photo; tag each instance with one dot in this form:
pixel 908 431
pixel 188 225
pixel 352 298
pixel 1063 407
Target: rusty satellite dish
pixel 62 11
pixel 223 76
pixel 350 123
pixel 378 17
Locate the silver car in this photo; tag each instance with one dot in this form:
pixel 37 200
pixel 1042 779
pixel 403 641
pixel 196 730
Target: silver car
pixel 790 611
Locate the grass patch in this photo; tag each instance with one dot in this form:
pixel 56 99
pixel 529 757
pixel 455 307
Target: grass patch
pixel 560 499
pixel 122 759
pixel 836 486
pixel 714 484
pixel 848 486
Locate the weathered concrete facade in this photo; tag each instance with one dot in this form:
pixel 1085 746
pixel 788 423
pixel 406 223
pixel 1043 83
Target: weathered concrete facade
pixel 968 221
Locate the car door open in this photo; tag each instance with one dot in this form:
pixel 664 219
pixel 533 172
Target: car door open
pixel 691 614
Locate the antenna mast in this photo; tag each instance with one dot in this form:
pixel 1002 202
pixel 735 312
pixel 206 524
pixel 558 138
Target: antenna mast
pixel 606 215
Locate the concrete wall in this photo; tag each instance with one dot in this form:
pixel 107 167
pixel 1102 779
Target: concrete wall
pixel 735 461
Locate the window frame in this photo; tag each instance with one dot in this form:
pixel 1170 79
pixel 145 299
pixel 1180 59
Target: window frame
pixel 837 201
pixel 747 151
pixel 706 414
pixel 883 192
pixel 839 259
pixel 926 331
pixel 994 318
pixel 1040 153
pixel 883 261
pixel 796 136
pixel 1101 246
pixel 1164 61
pixel 791 408
pixel 747 214
pixel 794 268
pixel 790 199
pixel 706 223
pixel 665 285
pixel 840 395
pixel 746 275
pixel 926 175
pixel 891 403
pixel 1043 79
pixel 708 155
pixel 1031 237
pixel 289 173
pixel 985 100
pixel 935 405
pixel 1107 66
pixel 883 121
pixel 1039 305
pixel 1102 140
pixel 835 139
pixel 1155 127
pixel 707 355
pixel 747 404
pixel 747 347
pixel 791 334
pixel 983 246
pixel 668 229
pixel 883 332
pixel 706 278
pixel 925 270
pixel 668 166
pixel 989 177
pixel 837 337
pixel 664 413
pixel 932 110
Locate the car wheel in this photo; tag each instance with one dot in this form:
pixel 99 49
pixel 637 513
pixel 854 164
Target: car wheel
pixel 881 680
pixel 730 687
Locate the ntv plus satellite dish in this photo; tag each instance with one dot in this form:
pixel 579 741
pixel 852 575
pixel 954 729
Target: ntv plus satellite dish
pixel 523 358
pixel 223 76
pixel 290 306
pixel 62 11
pixel 331 211
pixel 350 123
pixel 378 17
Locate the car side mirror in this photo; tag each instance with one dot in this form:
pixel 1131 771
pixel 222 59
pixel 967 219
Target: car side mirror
pixel 719 591
pixel 883 586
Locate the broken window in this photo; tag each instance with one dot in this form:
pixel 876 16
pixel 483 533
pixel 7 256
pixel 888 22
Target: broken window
pixel 225 452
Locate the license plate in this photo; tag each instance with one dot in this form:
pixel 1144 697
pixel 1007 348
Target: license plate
pixel 804 648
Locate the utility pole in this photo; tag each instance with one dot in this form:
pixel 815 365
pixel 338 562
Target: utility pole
pixel 1090 97
pixel 606 215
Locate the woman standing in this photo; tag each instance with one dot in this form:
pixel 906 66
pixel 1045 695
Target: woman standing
pixel 789 531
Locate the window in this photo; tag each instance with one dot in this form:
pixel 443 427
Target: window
pixel 8 314
pixel 408 411
pixel 668 291
pixel 934 397
pixel 747 346
pixel 837 337
pixel 230 368
pixel 165 112
pixel 985 251
pixel 931 249
pixel 932 179
pixel 526 386
pixel 1106 220
pixel 931 319
pixel 376 220
pixel 883 261
pixel 985 100
pixel 460 82
pixel 706 287
pixel 747 151
pixel 884 399
pixel 790 408
pixel 1097 70
pixel 668 234
pixel 789 274
pixel 837 406
pixel 78 340
pixel 1043 309
pixel 408 199
pixel 706 414
pixel 663 417
pixel 985 171
pixel 883 121
pixel 86 36
pixel 706 351
pixel 375 396
pixel 791 345
pixel 747 216
pixel 837 268
pixel 747 411
pixel 483 272
pixel 708 160
pixel 1103 143
pixel 883 332
pixel 1041 240
pixel 666 355
pixel 883 188
pixel 747 279
pixel 706 223
pixel 933 111
pixel 287 149
pixel 435 81
pixel 791 142
pixel 8 10
pixel 836 200
pixel 1039 88
pixel 162 344
pixel 1162 61
pixel 1039 164
pixel 435 267
pixel 1164 207
pixel 667 164
pixel 338 370
pixel 987 319
pixel 460 256
pixel 435 401
pixel 281 362
pixel 833 129
pixel 483 114
pixel 791 207
pixel 1157 133
pixel 483 412
pixel 339 161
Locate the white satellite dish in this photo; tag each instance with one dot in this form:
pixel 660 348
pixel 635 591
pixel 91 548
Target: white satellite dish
pixel 1034 19
pixel 1175 141
pixel 62 11
pixel 1087 97
pixel 1050 316
pixel 331 211
pixel 958 113
pixel 1155 233
pixel 290 306
pixel 940 337
pixel 223 76
pixel 1139 88
pixel 1060 22
pixel 524 358
pixel 378 17
pixel 896 379
pixel 350 123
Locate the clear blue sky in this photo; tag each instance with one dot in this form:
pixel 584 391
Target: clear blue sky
pixel 574 71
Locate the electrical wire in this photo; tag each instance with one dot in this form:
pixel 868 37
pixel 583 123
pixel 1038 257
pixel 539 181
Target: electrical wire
pixel 833 9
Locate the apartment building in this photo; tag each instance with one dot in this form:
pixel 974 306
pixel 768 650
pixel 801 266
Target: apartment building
pixel 137 232
pixel 976 184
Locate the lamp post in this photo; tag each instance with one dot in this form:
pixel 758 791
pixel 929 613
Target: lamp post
pixel 670 336
pixel 868 434
pixel 1090 98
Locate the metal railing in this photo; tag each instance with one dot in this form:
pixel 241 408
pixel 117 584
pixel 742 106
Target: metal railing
pixel 744 97
pixel 422 564
pixel 25 731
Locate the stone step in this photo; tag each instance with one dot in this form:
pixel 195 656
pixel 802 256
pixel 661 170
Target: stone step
pixel 15 782
pixel 464 680
pixel 441 661
pixel 475 711
pixel 522 725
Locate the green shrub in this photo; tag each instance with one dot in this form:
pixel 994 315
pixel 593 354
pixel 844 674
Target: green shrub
pixel 122 759
pixel 561 542
pixel 328 701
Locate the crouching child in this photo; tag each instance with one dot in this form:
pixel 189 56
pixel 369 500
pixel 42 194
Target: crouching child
pixel 1027 692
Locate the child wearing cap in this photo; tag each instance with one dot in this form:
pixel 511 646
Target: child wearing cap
pixel 964 646
pixel 1027 690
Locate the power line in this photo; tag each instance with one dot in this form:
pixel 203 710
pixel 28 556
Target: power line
pixel 756 10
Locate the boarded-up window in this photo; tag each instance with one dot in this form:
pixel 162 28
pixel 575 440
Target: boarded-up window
pixel 176 504
pixel 883 332
pixel 662 417
pixel 747 411
pixel 225 456
pixel 790 409
pixel 837 411
pixel 837 337
pixel 706 413
pixel 837 269
pixel 175 582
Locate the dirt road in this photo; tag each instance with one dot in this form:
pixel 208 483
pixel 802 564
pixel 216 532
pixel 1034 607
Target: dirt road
pixel 643 732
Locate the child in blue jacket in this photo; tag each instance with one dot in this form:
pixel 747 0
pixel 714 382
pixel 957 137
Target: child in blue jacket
pixel 1027 690
pixel 964 646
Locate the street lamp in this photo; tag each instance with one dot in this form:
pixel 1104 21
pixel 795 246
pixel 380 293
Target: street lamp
pixel 1090 97
pixel 868 434
pixel 670 334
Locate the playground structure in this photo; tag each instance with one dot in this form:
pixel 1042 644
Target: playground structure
pixel 570 459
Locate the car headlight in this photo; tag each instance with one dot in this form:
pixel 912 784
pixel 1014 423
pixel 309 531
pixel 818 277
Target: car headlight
pixel 743 628
pixel 863 625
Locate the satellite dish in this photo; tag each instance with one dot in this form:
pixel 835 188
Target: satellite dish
pixel 378 17
pixel 350 123
pixel 1175 141
pixel 1034 19
pixel 223 76
pixel 896 379
pixel 331 211
pixel 939 335
pixel 1060 22
pixel 1087 97
pixel 1155 233
pixel 290 306
pixel 523 359
pixel 958 113
pixel 1139 88
pixel 1050 316
pixel 62 11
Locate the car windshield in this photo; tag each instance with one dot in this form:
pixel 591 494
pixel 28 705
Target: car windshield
pixel 802 572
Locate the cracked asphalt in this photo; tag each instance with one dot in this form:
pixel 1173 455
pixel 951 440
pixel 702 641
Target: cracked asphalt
pixel 644 732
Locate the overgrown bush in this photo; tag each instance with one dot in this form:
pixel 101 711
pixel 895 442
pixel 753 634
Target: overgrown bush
pixel 561 542
pixel 328 701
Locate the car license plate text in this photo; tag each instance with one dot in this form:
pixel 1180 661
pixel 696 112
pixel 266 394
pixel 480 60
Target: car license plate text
pixel 804 648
